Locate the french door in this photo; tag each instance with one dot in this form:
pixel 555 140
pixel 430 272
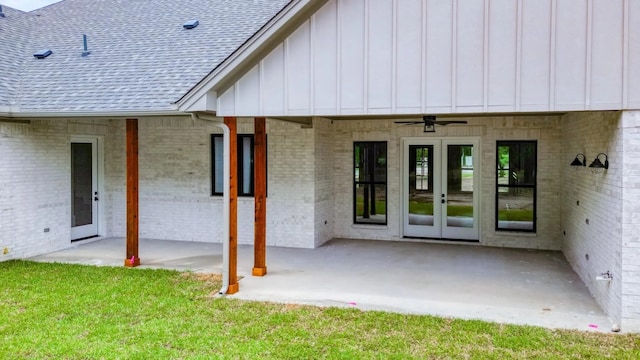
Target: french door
pixel 84 188
pixel 440 188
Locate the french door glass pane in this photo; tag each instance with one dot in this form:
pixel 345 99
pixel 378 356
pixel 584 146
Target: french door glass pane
pixel 460 186
pixel 81 184
pixel 421 197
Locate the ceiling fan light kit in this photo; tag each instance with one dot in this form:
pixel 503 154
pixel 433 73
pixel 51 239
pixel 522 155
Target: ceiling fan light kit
pixel 430 122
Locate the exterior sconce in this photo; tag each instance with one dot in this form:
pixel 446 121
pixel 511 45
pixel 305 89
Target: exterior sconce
pixel 577 164
pixel 597 166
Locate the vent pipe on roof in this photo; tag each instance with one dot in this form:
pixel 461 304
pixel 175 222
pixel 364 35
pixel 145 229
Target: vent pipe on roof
pixel 1 13
pixel 86 48
pixel 191 24
pixel 42 54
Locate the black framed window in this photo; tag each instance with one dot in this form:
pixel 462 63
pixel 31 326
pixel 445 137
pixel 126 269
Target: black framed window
pixel 516 185
pixel 245 164
pixel 370 182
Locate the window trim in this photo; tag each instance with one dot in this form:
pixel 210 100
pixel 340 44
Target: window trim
pixel 240 167
pixel 524 186
pixel 374 183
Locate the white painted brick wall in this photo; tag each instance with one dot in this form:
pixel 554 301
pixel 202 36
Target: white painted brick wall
pixel 175 183
pixel 546 130
pixel 175 179
pixel 291 194
pixel 323 185
pixel 600 198
pixel 35 189
pixel 630 259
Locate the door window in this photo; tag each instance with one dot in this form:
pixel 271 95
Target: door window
pixel 441 189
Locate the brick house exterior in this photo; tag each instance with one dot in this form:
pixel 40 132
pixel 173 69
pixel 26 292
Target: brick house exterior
pixel 327 75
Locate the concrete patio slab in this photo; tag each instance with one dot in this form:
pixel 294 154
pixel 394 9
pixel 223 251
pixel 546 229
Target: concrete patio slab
pixel 472 282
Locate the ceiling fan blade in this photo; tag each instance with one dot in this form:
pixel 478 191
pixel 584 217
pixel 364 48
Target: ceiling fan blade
pixel 408 122
pixel 447 122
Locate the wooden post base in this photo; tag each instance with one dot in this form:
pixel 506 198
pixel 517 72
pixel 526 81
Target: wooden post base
pixel 257 271
pixel 128 263
pixel 233 289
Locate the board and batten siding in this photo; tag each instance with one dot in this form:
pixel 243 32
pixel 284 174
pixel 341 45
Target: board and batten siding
pixel 359 57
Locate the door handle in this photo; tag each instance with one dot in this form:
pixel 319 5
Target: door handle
pixel 443 200
pixel 95 198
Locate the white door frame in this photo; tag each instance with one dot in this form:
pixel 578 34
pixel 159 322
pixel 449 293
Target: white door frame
pixel 98 157
pixel 440 230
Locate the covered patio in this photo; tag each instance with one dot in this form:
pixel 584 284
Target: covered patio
pixel 494 284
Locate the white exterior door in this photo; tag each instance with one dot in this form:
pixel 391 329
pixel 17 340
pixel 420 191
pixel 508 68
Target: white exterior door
pixel 84 188
pixel 440 188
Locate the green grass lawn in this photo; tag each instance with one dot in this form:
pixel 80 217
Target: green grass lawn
pixel 52 311
pixel 516 215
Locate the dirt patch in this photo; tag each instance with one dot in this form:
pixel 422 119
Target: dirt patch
pixel 204 277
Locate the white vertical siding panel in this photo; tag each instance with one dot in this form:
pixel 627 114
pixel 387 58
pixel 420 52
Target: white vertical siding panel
pixel 536 44
pixel 606 63
pixel 552 56
pixel 248 93
pixel 298 68
pixel 589 32
pixel 352 55
pixel 470 54
pixel 226 101
pixel 503 16
pixel 571 52
pixel 409 55
pixel 325 50
pixel 380 54
pixel 438 55
pixel 519 22
pixel 633 61
pixel 273 82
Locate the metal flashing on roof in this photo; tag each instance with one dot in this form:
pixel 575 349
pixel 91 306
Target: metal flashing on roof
pixel 42 54
pixel 190 24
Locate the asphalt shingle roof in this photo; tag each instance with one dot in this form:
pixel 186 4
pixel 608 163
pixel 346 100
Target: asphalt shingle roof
pixel 13 43
pixel 141 58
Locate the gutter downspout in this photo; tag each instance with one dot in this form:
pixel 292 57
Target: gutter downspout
pixel 226 200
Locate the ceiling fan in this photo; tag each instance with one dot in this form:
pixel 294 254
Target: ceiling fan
pixel 430 122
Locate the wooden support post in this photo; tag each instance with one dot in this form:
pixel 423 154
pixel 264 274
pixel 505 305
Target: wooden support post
pixel 132 258
pixel 260 196
pixel 233 208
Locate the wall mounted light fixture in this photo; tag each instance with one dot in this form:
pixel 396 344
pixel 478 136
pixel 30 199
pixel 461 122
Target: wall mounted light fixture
pixel 577 163
pixel 597 166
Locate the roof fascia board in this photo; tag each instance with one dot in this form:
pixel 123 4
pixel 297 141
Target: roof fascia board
pixel 206 103
pixel 82 114
pixel 263 41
